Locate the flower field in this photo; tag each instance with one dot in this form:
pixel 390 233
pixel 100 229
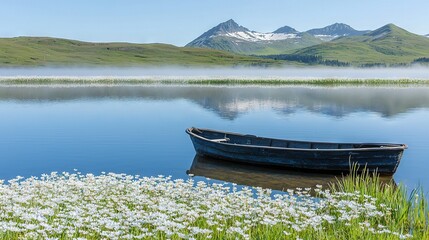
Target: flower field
pixel 119 206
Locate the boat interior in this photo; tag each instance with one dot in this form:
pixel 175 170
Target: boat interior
pixel 233 138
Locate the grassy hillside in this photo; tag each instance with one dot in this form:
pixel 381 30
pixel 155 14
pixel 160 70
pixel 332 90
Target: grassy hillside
pixel 39 51
pixel 388 45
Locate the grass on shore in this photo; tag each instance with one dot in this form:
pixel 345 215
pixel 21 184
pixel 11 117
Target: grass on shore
pixel 409 211
pixel 214 82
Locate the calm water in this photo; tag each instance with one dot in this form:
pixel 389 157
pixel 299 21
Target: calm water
pixel 140 130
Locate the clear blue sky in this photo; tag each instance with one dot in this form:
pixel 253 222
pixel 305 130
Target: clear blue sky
pixel 179 22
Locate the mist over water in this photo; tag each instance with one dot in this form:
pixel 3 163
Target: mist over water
pixel 416 72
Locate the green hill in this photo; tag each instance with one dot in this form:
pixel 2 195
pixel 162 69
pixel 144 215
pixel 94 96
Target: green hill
pixel 42 51
pixel 388 45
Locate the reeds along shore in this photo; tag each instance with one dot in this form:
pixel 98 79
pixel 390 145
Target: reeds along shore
pixel 119 206
pixel 195 81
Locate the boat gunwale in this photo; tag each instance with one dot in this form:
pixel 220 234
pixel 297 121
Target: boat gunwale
pixel 398 147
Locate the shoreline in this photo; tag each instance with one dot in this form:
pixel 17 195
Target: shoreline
pixel 354 206
pixel 187 81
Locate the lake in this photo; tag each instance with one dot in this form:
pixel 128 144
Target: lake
pixel 140 129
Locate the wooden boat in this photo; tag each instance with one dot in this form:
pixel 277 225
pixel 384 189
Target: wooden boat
pixel 310 156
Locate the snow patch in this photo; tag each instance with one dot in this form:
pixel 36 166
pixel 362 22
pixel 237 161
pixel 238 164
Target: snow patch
pixel 251 36
pixel 326 37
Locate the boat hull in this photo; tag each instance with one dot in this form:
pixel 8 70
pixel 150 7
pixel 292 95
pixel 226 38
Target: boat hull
pixel 384 161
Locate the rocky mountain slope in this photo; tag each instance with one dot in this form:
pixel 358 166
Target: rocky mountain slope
pixel 229 36
pixel 334 31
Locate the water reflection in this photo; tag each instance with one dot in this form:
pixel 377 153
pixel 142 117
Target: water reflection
pixel 231 102
pixel 250 175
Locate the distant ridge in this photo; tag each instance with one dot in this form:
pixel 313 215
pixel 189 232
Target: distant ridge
pixel 388 45
pixel 286 29
pixel 385 30
pixel 335 30
pixel 385 46
pixel 230 36
pixel 337 44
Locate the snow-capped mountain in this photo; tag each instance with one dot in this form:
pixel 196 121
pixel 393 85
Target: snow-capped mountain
pixel 230 36
pixel 231 29
pixel 335 30
pixel 225 27
pixel 427 35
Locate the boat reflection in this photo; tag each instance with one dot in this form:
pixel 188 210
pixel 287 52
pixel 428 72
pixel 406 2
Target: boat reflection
pixel 259 176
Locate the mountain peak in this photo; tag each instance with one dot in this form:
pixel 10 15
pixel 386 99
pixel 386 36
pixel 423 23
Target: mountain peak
pixel 230 21
pixel 334 31
pixel 339 25
pixel 390 27
pixel 227 27
pixel 340 29
pixel 286 30
pixel 386 29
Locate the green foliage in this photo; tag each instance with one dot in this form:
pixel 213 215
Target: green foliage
pixel 408 211
pixel 422 60
pixel 308 59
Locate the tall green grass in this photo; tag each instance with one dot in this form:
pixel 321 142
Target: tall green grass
pixel 409 210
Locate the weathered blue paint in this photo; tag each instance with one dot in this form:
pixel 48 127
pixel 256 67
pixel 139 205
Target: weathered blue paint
pixel 315 156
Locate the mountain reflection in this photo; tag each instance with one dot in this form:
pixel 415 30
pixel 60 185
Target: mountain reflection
pixel 231 102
